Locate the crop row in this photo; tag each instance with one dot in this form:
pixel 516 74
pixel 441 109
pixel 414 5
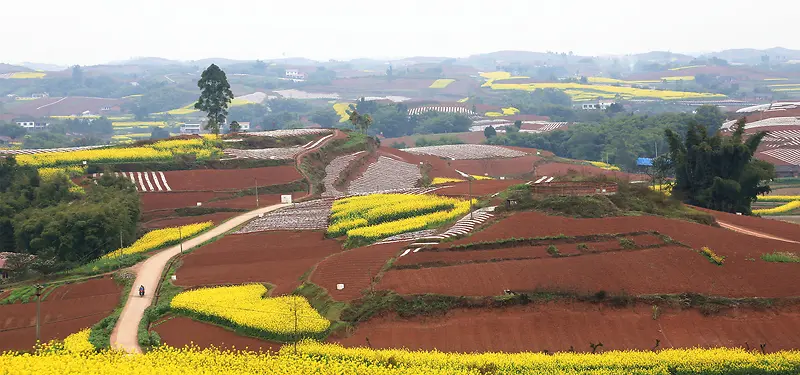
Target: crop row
pixel 280 318
pixel 159 151
pixel 791 206
pixel 329 359
pixel 159 238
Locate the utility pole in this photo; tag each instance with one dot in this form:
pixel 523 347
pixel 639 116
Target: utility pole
pixel 39 288
pixel 256 180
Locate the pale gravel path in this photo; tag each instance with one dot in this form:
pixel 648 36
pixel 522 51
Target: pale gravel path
pixel 148 273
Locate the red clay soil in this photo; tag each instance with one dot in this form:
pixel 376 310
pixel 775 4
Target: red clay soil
pixel 158 201
pixel 217 218
pixel 455 257
pixel 557 326
pixel 775 228
pixel 497 167
pixel 178 331
pixel 561 169
pixel 66 310
pixel 439 166
pixel 279 258
pixel 354 268
pixel 661 270
pixel 231 179
pixel 479 188
pixel 249 201
pixel 531 151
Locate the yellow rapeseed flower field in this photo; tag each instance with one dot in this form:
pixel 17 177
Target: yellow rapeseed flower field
pixel 130 123
pixel 28 75
pixel 441 83
pixel 79 342
pixel 605 166
pixel 583 91
pixel 341 110
pixel 371 217
pixel 330 359
pixel 778 198
pixel 445 180
pixel 159 151
pixel 246 306
pixel 782 209
pixel 159 238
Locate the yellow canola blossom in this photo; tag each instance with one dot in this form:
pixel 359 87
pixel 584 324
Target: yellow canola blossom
pixel 441 83
pixel 341 110
pixel 117 124
pixel 370 217
pixel 496 75
pixel 604 90
pixel 664 188
pixel 445 180
pixel 510 111
pixel 27 75
pixel 159 151
pixel 493 114
pixel 687 67
pixel 463 100
pixel 331 359
pixel 159 238
pixel 70 171
pixel 79 342
pixel 791 206
pixel 605 166
pixel 245 306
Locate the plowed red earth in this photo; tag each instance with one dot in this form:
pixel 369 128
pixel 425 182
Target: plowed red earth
pixel 775 228
pixel 558 326
pixel 354 268
pixel 179 331
pixel 561 169
pixel 279 257
pixel 231 179
pixel 67 310
pixel 249 201
pixel 479 188
pixel 439 166
pixel 660 270
pixel 497 167
pixel 531 151
pixel 454 257
pixel 158 201
pixel 217 218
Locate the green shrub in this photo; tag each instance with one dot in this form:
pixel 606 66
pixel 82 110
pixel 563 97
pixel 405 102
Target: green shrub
pixel 781 257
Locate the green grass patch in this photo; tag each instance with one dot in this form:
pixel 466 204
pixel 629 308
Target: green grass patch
pixel 781 257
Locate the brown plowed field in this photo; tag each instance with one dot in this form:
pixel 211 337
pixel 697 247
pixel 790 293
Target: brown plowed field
pixel 557 326
pixel 158 201
pixel 217 218
pixel 479 188
pixel 231 179
pixel 660 270
pixel 455 257
pixel 178 331
pixel 561 169
pixel 775 228
pixel 279 258
pixel 249 201
pixel 497 167
pixel 67 310
pixel 354 268
pixel 530 150
pixel 439 166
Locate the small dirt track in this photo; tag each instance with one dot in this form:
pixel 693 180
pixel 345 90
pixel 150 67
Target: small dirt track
pixel 752 232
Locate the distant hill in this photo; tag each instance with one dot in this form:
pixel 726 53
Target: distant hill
pixel 753 56
pixel 8 68
pixel 663 57
pixel 44 66
pixel 147 61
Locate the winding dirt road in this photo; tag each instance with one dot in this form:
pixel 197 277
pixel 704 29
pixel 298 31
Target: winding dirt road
pixel 750 232
pixel 148 274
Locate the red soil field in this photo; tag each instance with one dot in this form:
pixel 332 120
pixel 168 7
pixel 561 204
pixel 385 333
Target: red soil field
pixel 354 268
pixel 776 228
pixel 178 331
pixel 561 169
pixel 231 179
pixel 454 257
pixel 67 310
pixel 217 218
pixel 531 151
pixel 439 167
pixel 557 326
pixel 667 270
pixel 661 270
pixel 497 167
pixel 249 201
pixel 479 188
pixel 159 201
pixel 279 257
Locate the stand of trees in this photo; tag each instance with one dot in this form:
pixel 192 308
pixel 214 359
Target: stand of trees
pixel 61 228
pixel 717 172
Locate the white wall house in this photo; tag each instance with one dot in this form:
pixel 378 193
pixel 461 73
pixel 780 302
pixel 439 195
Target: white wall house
pixel 191 128
pixel 598 105
pixel 295 74
pixel 245 126
pixel 32 124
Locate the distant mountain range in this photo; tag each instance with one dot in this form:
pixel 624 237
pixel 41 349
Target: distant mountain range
pixel 744 56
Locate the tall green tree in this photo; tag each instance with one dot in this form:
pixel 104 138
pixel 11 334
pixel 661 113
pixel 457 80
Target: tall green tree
pixel 235 127
pixel 360 121
pixel 214 98
pixel 718 172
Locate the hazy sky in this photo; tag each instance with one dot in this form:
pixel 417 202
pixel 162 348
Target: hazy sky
pixel 98 31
